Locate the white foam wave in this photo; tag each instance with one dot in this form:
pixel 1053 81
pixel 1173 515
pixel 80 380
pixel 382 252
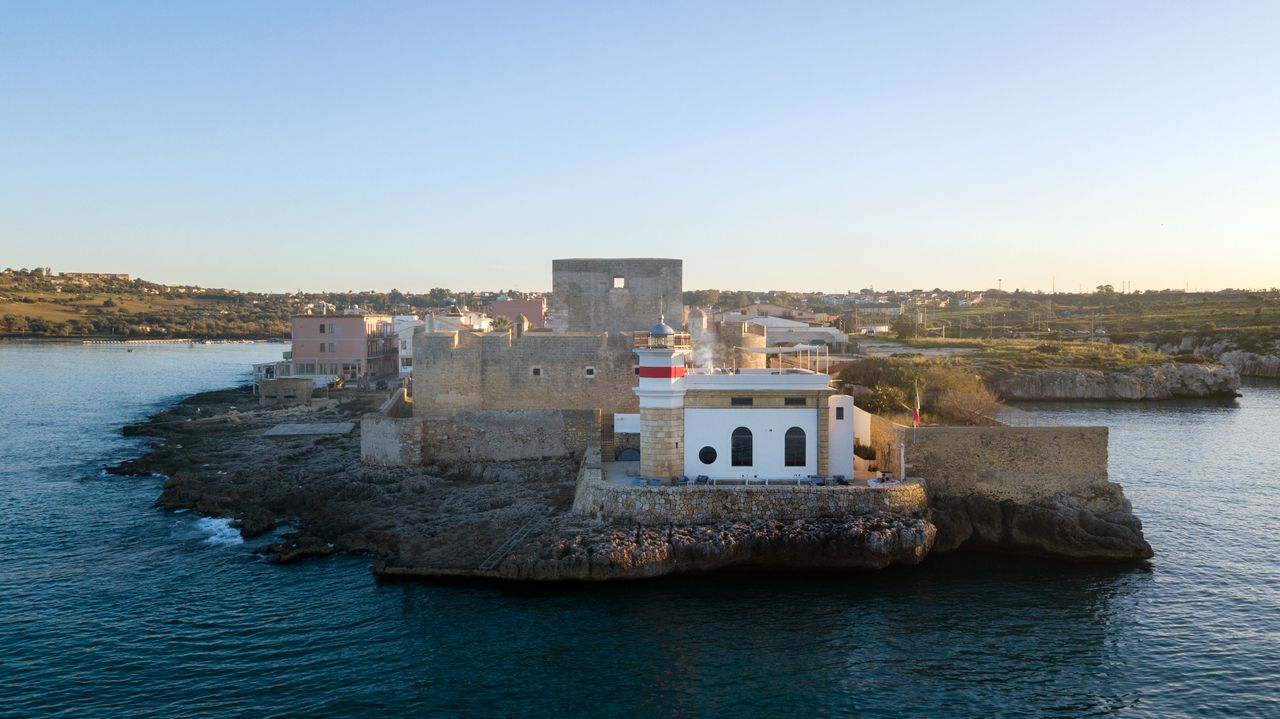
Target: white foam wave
pixel 219 530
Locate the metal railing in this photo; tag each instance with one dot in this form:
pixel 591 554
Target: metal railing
pixel 644 340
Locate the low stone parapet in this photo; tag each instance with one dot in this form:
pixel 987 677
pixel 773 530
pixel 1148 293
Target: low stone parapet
pixel 704 505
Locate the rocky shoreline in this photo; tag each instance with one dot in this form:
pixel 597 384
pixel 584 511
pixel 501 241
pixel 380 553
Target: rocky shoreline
pixel 456 521
pixel 1170 380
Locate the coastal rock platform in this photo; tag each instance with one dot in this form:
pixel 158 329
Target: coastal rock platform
pixel 464 521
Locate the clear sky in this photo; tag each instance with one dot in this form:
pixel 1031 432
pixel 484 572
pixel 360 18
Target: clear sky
pixel 787 145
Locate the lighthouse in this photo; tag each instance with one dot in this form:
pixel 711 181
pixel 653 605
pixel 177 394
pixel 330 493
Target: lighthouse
pixel 661 392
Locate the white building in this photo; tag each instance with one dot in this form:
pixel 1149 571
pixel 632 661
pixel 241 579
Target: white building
pixel 780 331
pixel 740 425
pixel 403 326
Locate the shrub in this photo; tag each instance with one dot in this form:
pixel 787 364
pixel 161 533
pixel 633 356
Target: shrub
pixel 884 399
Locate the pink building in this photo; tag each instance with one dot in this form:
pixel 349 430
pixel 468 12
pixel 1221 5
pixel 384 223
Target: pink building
pixel 350 346
pixel 534 309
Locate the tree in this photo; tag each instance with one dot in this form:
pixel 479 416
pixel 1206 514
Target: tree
pixel 904 325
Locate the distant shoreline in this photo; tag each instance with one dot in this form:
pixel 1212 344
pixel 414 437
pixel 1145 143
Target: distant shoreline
pixel 94 339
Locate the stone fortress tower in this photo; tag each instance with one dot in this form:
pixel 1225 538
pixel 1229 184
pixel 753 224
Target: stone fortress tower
pixel 615 294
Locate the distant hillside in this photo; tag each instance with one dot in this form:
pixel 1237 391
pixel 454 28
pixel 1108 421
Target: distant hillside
pixel 35 303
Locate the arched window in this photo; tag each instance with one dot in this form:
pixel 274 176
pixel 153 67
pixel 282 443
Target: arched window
pixel 740 452
pixel 793 448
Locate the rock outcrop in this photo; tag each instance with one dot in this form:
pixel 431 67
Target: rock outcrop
pixel 1246 362
pixel 613 552
pixel 1059 526
pixel 1158 382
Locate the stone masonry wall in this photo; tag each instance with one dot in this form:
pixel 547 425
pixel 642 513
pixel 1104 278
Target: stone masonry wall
pixel 584 299
pixel 455 372
pixel 661 434
pixel 390 441
pixel 704 505
pixel 508 435
pixel 1020 464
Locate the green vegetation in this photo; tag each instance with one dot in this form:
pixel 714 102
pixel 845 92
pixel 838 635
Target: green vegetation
pixel 951 390
pixel 1015 354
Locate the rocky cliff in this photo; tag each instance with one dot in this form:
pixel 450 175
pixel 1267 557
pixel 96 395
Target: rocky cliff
pixel 1226 352
pixel 1159 382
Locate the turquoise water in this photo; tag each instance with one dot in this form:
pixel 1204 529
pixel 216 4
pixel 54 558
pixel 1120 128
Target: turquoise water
pixel 109 607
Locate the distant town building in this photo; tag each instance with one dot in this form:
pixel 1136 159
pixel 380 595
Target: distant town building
pixel 878 307
pixel 403 326
pixel 351 346
pixel 533 309
pixel 94 275
pixel 780 331
pixel 769 309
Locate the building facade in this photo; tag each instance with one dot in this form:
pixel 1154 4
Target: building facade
pixel 350 346
pixel 533 309
pixel 748 424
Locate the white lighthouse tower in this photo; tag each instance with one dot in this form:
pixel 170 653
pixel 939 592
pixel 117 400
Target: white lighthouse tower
pixel 661 392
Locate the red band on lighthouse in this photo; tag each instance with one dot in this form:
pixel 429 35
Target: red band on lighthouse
pixel 661 372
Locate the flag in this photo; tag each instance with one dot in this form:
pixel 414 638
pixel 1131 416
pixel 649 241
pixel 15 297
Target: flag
pixel 915 418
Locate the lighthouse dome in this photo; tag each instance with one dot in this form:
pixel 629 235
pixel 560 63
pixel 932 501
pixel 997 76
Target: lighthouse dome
pixel 662 329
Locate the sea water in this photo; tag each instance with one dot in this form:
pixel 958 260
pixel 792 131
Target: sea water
pixel 110 607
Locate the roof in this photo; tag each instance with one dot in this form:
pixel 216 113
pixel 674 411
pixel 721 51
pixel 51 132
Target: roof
pixel 776 322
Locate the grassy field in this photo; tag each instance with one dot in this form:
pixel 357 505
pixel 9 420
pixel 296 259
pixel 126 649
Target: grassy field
pixel 1251 319
pixel 1041 354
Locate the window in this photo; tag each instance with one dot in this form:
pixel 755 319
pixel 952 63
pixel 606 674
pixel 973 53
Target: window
pixel 322 328
pixel 793 448
pixel 707 455
pixel 619 282
pixel 589 372
pixel 839 413
pixel 404 344
pixel 637 370
pixel 740 447
pixel 328 346
pixel 406 361
pixel 794 401
pixel 741 402
pixel 537 371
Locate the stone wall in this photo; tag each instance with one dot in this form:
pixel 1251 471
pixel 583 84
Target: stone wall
pixel 284 391
pixel 455 372
pixel 508 435
pixel 705 505
pixel 1034 490
pixel 390 441
pixel 584 298
pixel 1019 464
